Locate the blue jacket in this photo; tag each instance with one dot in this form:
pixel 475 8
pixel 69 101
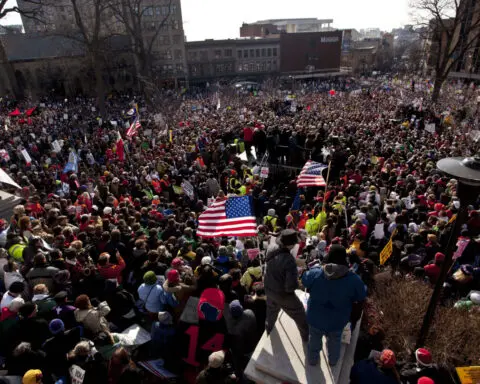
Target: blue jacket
pixel 367 372
pixel 155 298
pixel 333 290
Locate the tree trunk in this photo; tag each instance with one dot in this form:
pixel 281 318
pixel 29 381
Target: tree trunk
pixel 100 85
pixel 439 80
pixel 7 68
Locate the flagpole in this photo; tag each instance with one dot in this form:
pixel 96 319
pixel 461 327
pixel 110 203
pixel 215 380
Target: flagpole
pixel 326 184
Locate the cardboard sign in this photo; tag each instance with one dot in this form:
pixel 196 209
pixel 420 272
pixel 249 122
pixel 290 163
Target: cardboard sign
pixel 264 173
pixel 469 375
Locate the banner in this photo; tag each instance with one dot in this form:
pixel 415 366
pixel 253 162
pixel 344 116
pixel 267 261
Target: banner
pixel 468 375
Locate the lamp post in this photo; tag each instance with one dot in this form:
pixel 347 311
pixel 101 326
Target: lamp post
pixel 467 172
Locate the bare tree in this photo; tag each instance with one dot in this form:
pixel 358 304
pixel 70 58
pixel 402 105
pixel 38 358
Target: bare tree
pixel 6 66
pixel 453 28
pixel 133 14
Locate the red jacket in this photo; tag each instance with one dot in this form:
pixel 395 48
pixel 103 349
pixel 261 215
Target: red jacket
pixel 112 271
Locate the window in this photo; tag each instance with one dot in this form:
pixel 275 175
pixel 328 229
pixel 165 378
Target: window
pixel 177 39
pixel 164 27
pixel 264 52
pixel 257 52
pixel 229 67
pixel 251 67
pixel 163 40
pixel 173 9
pixel 169 54
pixel 178 54
pixel 228 53
pixel 158 11
pixel 203 55
pixel 240 67
pixel 179 68
pixel 219 68
pixel 245 67
pixel 164 11
pixel 175 24
pixel 217 53
pixel 148 11
pixel 269 66
pixel 257 67
pixel 274 51
pixel 262 66
pixel 192 55
pixel 239 54
pixel 245 53
pixel 252 53
pixel 269 53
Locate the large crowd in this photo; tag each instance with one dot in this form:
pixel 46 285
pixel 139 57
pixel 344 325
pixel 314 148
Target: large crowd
pixel 104 244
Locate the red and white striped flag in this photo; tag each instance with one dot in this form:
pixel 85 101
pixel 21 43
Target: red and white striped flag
pixel 228 217
pixel 311 175
pixel 134 127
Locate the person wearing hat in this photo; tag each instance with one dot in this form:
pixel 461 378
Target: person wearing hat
pixel 152 297
pixel 163 335
pixel 422 367
pixel 57 347
pixel 241 326
pixel 378 370
pixel 63 310
pixel 217 372
pixel 281 281
pixel 334 290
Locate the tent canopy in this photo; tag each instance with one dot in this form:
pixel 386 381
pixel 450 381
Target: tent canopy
pixel 5 178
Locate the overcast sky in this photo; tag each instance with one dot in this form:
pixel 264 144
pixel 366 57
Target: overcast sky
pixel 221 19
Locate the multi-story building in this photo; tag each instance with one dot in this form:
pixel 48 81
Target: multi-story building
pixel 230 58
pixel 265 28
pixel 161 20
pixel 11 29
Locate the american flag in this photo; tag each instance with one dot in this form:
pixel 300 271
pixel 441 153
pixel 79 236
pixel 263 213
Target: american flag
pixel 228 217
pixel 311 175
pixel 134 127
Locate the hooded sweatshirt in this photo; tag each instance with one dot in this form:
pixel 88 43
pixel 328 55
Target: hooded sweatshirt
pixel 251 275
pixel 333 289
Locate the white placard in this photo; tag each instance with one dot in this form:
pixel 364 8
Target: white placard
pixel 430 127
pixel 77 374
pixel 65 116
pixel 264 173
pixel 56 146
pixel 26 156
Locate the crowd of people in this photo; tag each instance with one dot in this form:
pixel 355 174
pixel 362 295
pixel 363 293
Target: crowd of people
pixel 105 236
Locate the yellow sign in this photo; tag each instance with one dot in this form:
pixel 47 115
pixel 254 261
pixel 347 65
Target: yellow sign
pixel 452 219
pixel 469 375
pixel 387 250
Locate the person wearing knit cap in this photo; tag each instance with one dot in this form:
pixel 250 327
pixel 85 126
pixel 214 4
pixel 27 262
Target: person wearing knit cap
pixel 57 347
pixel 334 290
pixel 379 370
pixel 217 371
pixel 425 380
pixel 163 335
pixel 432 270
pixel 152 295
pixel 15 290
pixel 281 281
pixel 423 366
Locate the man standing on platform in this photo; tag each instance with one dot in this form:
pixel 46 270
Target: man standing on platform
pixel 334 291
pixel 281 281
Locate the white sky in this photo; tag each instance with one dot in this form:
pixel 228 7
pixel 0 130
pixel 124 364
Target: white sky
pixel 221 19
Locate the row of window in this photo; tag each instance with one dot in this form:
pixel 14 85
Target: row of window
pixel 163 25
pixel 261 66
pixel 251 53
pixel 160 11
pixel 166 54
pixel 170 69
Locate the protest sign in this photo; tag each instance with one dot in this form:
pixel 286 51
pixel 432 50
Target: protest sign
pixel 430 127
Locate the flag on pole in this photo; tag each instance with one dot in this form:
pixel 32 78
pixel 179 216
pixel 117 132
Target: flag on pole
pixel 228 217
pixel 134 127
pixel 311 175
pixel 387 250
pixel 120 148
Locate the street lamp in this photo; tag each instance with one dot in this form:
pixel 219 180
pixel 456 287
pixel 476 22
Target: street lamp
pixel 467 172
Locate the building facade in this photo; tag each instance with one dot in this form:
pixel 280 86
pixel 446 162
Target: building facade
pixel 232 58
pixel 265 28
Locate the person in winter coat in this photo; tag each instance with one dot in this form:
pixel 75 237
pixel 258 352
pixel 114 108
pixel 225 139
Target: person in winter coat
pixel 371 371
pixel 333 289
pixel 93 319
pixel 241 326
pixel 223 262
pixel 422 367
pixel 216 372
pixel 281 281
pixel 252 275
pixel 108 270
pixel 163 335
pixel 41 273
pixel 153 296
pixel 85 359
